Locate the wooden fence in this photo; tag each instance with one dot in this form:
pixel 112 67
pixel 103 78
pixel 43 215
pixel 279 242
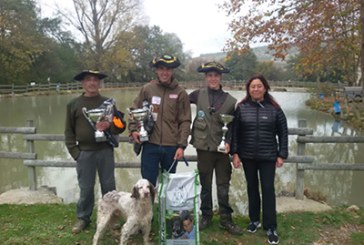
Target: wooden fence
pixel 12 89
pixel 303 162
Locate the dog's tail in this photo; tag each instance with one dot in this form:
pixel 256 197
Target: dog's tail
pixel 112 196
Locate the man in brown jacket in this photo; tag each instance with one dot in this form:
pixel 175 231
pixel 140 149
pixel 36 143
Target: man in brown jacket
pixel 172 119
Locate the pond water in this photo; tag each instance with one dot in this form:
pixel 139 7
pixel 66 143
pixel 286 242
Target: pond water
pixel 48 114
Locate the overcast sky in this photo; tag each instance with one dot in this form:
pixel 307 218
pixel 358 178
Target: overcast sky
pixel 200 25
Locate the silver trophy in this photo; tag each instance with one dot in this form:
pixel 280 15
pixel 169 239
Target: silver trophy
pixel 139 115
pixel 102 113
pixel 226 119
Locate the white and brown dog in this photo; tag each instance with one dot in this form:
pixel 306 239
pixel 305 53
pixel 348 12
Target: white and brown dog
pixel 135 208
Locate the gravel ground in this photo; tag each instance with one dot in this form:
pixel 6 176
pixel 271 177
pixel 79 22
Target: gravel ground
pixel 26 196
pixel 46 195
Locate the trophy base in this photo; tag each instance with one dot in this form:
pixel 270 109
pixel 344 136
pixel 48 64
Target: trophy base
pixel 221 148
pixel 100 136
pixel 143 138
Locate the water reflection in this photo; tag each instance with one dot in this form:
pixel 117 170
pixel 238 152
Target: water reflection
pixel 48 113
pixel 336 127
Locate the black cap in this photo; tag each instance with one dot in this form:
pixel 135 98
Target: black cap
pixel 213 66
pixel 81 76
pixel 166 60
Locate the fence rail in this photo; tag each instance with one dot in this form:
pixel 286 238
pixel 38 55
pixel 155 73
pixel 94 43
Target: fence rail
pixel 57 87
pixel 189 158
pixel 330 139
pixel 11 89
pixel 18 130
pixel 18 155
pixel 332 166
pixel 303 162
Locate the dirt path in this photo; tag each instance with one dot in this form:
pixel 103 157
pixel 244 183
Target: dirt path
pixel 45 195
pixel 26 196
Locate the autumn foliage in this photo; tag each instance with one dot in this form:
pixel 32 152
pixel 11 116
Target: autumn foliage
pixel 326 33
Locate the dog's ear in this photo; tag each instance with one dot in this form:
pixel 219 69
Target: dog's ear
pixel 135 192
pixel 152 191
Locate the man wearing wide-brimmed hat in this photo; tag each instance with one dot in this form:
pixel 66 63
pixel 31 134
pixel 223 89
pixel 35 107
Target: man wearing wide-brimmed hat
pixel 171 112
pixel 211 101
pixel 91 156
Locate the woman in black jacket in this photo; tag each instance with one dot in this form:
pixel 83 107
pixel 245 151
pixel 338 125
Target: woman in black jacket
pixel 260 142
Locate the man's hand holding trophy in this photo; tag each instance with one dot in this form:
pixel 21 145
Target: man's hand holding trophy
pixel 100 118
pixel 142 116
pixel 226 119
pixel 139 115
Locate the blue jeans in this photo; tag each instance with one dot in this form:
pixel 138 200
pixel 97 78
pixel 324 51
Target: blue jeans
pixel 154 156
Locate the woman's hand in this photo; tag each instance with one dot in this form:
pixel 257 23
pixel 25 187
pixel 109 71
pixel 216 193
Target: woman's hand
pixel 279 162
pixel 236 161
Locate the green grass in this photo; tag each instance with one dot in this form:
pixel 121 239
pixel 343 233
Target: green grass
pixel 52 223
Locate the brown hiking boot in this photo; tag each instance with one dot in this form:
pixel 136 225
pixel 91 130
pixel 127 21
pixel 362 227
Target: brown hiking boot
pixel 231 228
pixel 79 226
pixel 205 222
pixel 227 223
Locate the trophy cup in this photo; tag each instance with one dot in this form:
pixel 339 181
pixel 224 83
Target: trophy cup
pixel 104 112
pixel 140 115
pixel 226 119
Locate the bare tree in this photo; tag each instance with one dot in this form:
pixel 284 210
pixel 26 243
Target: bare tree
pixel 101 23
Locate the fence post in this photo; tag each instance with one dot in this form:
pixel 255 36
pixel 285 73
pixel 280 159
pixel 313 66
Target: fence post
pixel 300 173
pixel 32 175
